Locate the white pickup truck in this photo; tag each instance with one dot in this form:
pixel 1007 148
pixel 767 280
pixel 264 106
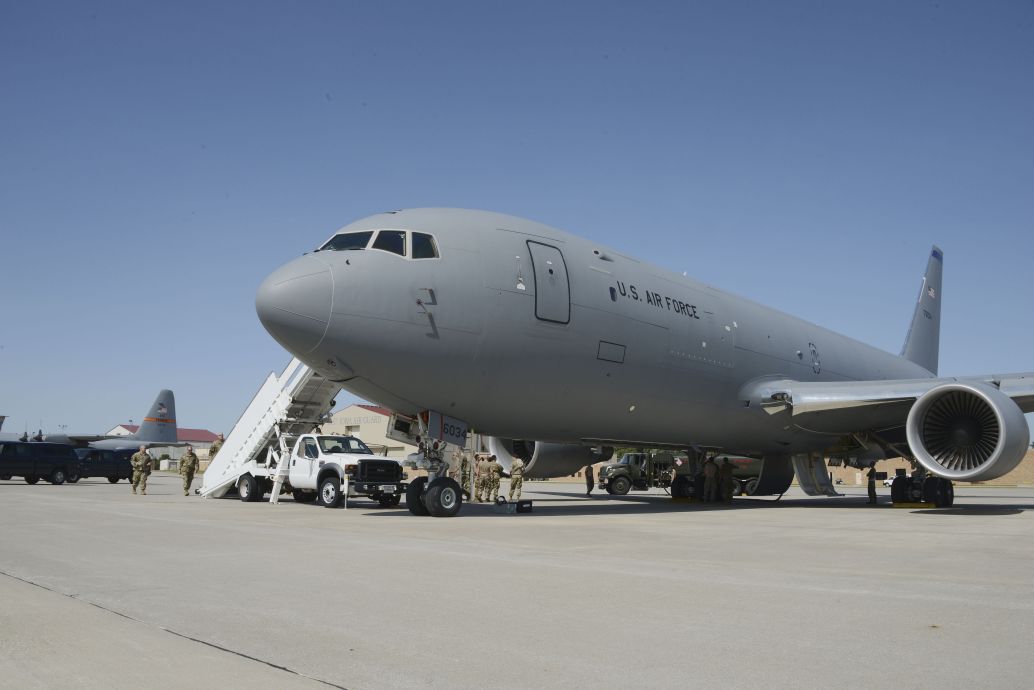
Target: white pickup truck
pixel 319 465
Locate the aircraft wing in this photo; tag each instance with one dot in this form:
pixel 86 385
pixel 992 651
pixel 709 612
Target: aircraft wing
pixel 851 406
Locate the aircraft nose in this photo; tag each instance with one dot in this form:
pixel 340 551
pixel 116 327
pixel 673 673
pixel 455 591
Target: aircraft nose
pixel 294 303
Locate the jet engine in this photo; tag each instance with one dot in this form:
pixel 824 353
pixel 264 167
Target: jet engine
pixel 543 460
pixel 967 431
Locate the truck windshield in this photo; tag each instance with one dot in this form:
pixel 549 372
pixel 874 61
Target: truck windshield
pixel 343 444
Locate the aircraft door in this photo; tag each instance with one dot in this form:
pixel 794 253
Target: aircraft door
pixel 552 290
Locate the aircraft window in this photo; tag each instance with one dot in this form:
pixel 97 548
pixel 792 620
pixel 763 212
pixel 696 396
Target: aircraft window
pixel 393 241
pixel 424 246
pixel 348 240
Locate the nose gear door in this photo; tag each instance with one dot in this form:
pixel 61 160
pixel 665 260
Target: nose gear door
pixel 552 290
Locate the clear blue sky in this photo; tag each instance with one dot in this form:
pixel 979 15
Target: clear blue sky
pixel 158 159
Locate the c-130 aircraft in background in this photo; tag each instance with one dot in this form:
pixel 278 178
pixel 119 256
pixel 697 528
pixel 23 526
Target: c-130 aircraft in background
pixel 556 346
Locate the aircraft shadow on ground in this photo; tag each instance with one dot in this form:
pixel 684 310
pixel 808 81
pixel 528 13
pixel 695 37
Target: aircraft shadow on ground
pixel 579 504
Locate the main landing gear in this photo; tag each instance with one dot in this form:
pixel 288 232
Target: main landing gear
pixel 923 488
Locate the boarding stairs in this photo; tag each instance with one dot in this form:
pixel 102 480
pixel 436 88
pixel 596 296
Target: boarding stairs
pixel 293 403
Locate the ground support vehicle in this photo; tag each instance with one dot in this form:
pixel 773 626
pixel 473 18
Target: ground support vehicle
pixel 111 464
pixel 35 460
pixel 639 471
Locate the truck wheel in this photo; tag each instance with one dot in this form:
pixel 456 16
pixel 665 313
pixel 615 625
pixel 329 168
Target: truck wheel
pixel 73 477
pixel 57 477
pixel 247 487
pixel 443 497
pixel 330 492
pixel 31 479
pixel 620 486
pixel 415 498
pixel 389 501
pixel 113 480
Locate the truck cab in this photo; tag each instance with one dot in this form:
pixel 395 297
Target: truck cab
pixel 321 464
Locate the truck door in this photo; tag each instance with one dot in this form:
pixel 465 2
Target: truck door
pixel 552 290
pixel 304 463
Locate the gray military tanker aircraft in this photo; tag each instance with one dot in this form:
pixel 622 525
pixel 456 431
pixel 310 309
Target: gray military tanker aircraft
pixel 558 346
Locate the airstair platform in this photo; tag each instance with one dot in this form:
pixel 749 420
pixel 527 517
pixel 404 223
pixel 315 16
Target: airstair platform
pixel 293 403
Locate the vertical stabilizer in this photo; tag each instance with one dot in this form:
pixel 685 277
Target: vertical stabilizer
pixel 923 341
pixel 159 425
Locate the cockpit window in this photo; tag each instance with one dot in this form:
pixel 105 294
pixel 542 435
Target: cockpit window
pixel 348 240
pixel 393 241
pixel 424 246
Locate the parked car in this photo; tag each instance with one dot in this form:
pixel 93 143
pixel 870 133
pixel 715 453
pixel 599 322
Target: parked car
pixel 55 462
pixel 112 464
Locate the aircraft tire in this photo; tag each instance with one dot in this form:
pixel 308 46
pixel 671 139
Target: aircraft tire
pixel 330 492
pixel 443 497
pixel 750 486
pixel 899 489
pixel 932 490
pixel 389 501
pixel 414 496
pixel 247 487
pixel 113 480
pixel 31 479
pixel 945 493
pixel 620 486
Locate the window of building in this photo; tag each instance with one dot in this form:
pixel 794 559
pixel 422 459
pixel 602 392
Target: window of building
pixel 393 241
pixel 348 240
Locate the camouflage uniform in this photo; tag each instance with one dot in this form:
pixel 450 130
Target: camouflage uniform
pixel 216 445
pixel 188 466
pixel 516 478
pixel 495 474
pixel 479 479
pixel 725 481
pixel 141 462
pixel 465 477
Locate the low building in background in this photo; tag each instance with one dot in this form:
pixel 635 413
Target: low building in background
pixel 201 439
pixel 368 423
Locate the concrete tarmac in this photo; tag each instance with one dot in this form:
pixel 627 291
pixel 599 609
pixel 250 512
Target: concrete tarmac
pixel 103 589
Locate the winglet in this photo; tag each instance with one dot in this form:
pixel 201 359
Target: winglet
pixel 922 343
pixel 160 423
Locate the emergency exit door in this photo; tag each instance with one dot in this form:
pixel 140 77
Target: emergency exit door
pixel 552 291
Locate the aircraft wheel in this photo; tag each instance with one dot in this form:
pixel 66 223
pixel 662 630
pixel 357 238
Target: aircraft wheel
pixel 31 479
pixel 443 497
pixel 113 480
pixel 620 485
pixel 330 492
pixel 899 489
pixel 931 490
pixel 247 487
pixel 389 501
pixel 945 493
pixel 415 498
pixel 750 486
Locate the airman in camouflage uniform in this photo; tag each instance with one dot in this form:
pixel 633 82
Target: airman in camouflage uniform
pixel 141 462
pixel 216 445
pixel 465 475
pixel 188 466
pixel 495 474
pixel 479 478
pixel 516 478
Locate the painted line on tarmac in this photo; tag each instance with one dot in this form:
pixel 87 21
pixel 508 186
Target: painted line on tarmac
pixel 177 634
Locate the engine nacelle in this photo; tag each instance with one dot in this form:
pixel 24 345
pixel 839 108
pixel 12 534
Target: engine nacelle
pixel 544 460
pixel 967 431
